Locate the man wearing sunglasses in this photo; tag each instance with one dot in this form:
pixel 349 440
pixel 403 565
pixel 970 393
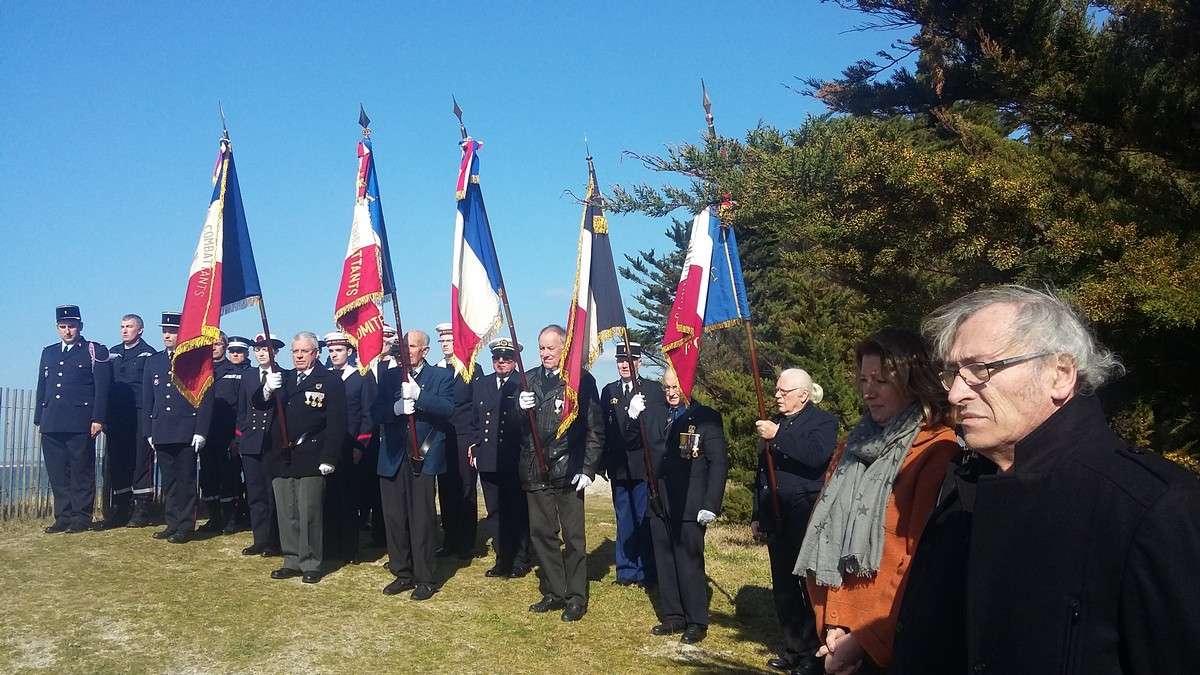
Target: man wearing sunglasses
pixel 1064 548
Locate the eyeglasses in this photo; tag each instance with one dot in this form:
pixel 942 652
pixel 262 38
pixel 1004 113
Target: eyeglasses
pixel 785 392
pixel 975 374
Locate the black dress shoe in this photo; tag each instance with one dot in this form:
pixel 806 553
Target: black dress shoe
pixel 667 628
pixel 693 634
pixel 311 577
pixel 624 582
pixel 271 552
pixel 498 571
pixel 399 586
pixel 546 604
pixel 163 534
pixel 808 665
pixel 55 529
pixel 252 549
pixel 180 538
pixel 782 663
pixel 574 611
pixel 76 529
pixel 520 571
pixel 423 592
pixel 285 573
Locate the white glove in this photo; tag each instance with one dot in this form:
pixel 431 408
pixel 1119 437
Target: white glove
pixel 704 516
pixel 637 405
pixel 197 442
pixel 526 400
pixel 405 406
pixel 150 440
pixel 274 381
pixel 325 469
pixel 410 389
pixel 581 481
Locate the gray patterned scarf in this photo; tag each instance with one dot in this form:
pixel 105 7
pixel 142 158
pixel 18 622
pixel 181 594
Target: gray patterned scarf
pixel 845 533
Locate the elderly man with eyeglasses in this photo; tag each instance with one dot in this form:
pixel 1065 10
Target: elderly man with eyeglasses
pixel 1057 546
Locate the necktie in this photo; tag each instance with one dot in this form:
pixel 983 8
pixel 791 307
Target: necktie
pixel 262 377
pixel 500 382
pixel 300 379
pixel 626 388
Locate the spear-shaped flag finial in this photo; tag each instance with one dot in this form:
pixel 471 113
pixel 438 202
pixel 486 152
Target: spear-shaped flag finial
pixel 224 129
pixel 708 116
pixel 458 113
pixel 363 120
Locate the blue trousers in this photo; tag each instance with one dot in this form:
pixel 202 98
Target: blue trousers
pixel 635 554
pixel 71 468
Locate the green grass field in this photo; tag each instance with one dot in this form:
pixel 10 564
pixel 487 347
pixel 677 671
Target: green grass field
pixel 119 601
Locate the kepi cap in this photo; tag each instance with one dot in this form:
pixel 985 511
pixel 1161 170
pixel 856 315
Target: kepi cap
pixel 238 342
pixel 67 313
pixel 171 320
pixel 634 347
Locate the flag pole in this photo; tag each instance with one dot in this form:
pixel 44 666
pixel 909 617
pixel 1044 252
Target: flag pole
pixel 651 480
pixel 262 313
pixel 414 448
pixel 538 452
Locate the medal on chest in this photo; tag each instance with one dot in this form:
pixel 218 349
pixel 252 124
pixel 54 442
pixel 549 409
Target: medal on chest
pixel 689 443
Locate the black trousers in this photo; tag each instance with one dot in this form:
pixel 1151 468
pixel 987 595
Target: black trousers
pixel 122 437
pixel 341 512
pixel 458 497
pixel 142 483
pixel 410 519
pixel 563 560
pixel 792 605
pixel 220 472
pixel 177 467
pixel 260 501
pixel 507 521
pixel 679 559
pixel 71 467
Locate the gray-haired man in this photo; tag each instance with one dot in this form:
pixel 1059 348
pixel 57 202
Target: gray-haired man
pixel 1060 548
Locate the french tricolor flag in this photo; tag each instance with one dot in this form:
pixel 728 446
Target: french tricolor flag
pixel 475 273
pixel 711 295
pixel 365 270
pixel 223 278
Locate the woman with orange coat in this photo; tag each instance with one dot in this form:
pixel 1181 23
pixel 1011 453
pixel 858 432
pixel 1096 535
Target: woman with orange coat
pixel 880 489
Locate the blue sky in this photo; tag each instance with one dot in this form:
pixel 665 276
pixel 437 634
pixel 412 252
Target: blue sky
pixel 109 133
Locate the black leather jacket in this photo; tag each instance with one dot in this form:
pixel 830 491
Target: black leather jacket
pixel 578 451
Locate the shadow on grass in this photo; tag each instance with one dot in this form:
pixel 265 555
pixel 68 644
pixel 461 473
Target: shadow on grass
pixel 601 560
pixel 753 616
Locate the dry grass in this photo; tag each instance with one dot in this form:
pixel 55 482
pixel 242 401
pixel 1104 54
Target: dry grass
pixel 119 601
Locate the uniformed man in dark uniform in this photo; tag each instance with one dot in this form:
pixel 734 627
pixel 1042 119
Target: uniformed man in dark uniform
pixel 72 407
pixel 220 469
pixel 232 482
pixel 690 466
pixel 176 431
pixel 625 463
pixel 314 405
pixel 458 494
pixel 494 449
pixel 556 497
pixel 130 460
pixel 802 438
pixel 238 352
pixel 253 441
pixel 344 488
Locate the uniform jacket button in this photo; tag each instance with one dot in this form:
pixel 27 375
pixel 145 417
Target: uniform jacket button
pixel 57 396
pixel 59 384
pixel 168 408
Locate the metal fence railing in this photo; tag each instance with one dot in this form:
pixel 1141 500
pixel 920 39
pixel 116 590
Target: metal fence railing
pixel 24 484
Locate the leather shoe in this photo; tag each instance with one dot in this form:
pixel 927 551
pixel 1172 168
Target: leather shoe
pixel 808 665
pixel 163 534
pixel 624 582
pixel 399 586
pixel 55 529
pixel 311 577
pixel 180 538
pixel 76 529
pixel 693 634
pixel 423 592
pixel 498 571
pixel 782 663
pixel 574 611
pixel 285 573
pixel 271 552
pixel 546 604
pixel 519 572
pixel 667 628
pixel 252 549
